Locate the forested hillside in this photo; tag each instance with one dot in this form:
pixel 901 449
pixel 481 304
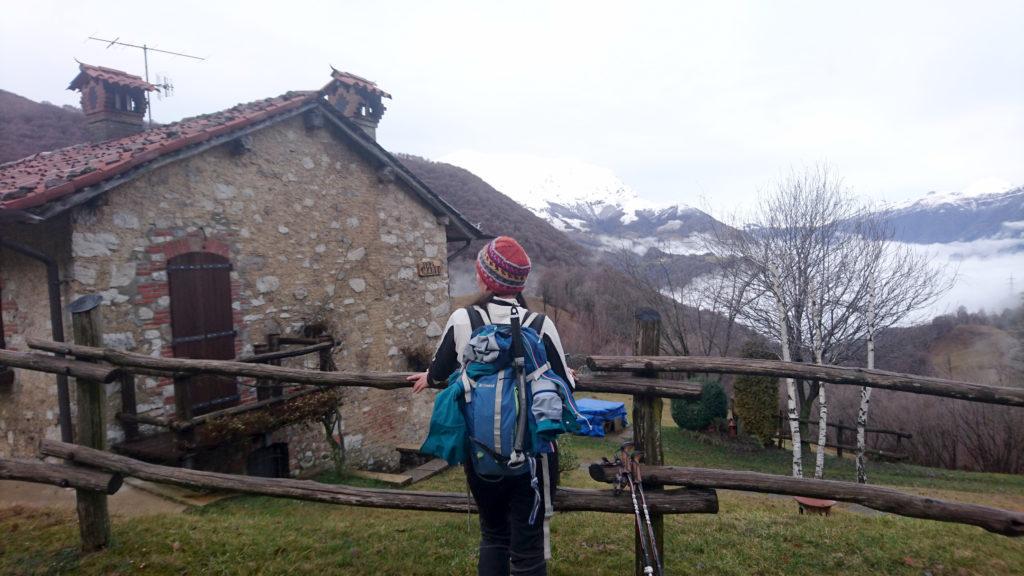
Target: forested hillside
pixel 30 127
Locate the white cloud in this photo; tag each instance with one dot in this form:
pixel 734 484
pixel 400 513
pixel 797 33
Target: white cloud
pixel 680 100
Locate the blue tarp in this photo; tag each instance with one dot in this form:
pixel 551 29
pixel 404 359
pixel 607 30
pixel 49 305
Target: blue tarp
pixel 598 412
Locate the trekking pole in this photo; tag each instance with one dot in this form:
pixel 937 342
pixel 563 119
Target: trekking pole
pixel 635 464
pixel 648 569
pixel 625 461
pixel 517 458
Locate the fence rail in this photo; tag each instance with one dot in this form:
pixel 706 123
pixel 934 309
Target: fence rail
pixel 822 373
pixel 104 365
pixel 700 501
pixel 1003 522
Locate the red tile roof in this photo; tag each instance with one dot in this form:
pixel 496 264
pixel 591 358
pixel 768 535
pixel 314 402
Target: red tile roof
pixel 116 77
pixel 46 176
pixel 350 79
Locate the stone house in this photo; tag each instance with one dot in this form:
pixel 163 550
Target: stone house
pixel 279 216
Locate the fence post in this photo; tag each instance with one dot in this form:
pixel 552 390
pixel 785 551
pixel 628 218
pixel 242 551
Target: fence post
pixel 273 345
pixel 93 515
pixel 647 410
pixel 839 439
pixel 129 405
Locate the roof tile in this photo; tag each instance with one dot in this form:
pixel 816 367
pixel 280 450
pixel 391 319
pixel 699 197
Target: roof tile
pixel 116 77
pixel 47 176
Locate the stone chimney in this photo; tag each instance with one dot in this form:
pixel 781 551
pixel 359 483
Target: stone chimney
pixel 358 99
pixel 114 102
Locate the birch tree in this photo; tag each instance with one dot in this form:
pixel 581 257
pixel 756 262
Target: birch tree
pixel 816 346
pixel 865 392
pixel 809 240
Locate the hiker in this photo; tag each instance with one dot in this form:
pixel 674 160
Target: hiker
pixel 507 503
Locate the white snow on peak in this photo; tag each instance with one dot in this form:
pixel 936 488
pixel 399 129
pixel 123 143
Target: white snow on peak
pixel 977 190
pixel 537 182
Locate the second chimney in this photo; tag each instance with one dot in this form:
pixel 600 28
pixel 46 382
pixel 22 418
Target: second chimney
pixel 358 99
pixel 114 102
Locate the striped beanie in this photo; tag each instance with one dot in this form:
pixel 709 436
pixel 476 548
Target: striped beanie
pixel 503 266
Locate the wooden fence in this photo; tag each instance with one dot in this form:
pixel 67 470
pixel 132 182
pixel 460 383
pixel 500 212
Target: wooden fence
pixel 782 434
pixel 98 472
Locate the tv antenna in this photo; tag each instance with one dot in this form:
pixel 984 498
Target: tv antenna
pixel 164 83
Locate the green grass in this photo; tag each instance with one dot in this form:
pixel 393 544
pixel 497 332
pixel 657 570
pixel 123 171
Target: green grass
pixel 752 534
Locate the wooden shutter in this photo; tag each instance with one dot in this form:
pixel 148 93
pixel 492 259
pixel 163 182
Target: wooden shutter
pixel 201 323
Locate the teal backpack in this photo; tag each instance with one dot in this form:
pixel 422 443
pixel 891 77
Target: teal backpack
pixel 479 414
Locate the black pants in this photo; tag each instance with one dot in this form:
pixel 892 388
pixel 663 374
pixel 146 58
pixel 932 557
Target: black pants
pixel 509 543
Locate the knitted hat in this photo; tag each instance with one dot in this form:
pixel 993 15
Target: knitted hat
pixel 503 266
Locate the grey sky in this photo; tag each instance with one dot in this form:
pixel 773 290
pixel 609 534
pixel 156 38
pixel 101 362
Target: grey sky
pixel 683 102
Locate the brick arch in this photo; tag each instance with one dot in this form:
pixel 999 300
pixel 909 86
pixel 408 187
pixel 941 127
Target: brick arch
pixel 194 242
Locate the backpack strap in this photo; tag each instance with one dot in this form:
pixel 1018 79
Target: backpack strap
pixel 536 321
pixel 476 319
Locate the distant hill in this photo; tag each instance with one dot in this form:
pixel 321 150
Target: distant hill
pixel 28 127
pixel 496 213
pixel 941 218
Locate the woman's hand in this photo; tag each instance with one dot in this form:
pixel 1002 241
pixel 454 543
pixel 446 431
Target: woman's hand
pixel 419 381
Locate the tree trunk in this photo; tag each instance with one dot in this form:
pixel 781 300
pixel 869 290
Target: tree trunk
pixel 819 460
pixel 865 394
pixel 819 347
pixel 791 402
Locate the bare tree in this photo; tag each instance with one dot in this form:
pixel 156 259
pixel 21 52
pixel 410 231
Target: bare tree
pixel 808 257
pixel 698 314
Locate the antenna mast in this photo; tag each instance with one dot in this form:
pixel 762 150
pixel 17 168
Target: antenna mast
pixel 145 59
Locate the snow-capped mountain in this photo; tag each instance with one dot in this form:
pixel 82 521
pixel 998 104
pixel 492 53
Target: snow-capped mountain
pixel 960 217
pixel 590 203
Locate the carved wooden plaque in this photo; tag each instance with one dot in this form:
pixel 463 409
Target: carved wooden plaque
pixel 429 268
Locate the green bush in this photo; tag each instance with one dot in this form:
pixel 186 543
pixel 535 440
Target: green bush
pixel 699 414
pixel 756 399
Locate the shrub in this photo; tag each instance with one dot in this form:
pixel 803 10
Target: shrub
pixel 699 414
pixel 756 400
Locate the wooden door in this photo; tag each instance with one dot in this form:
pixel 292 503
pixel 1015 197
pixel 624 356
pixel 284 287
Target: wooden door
pixel 201 323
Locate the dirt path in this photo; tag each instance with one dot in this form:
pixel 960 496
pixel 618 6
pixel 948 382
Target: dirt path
pixel 129 501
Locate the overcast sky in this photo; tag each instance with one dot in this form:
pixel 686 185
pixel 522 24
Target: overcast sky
pixel 703 104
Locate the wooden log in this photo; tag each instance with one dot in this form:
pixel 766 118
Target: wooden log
pixel 825 373
pixel 647 412
pixel 872 451
pixel 129 407
pixel 282 354
pixel 1005 522
pixel 137 419
pixel 61 475
pixel 183 425
pixel 93 513
pixel 566 499
pixel 274 345
pixel 618 384
pixel 841 426
pixel 170 366
pixel 293 340
pixel 54 365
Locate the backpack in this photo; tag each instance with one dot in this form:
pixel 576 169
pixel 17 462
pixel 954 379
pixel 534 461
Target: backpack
pixel 513 410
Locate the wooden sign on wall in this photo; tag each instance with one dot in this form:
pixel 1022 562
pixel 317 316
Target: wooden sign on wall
pixel 429 268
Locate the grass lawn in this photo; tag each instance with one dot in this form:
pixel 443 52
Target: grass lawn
pixel 752 534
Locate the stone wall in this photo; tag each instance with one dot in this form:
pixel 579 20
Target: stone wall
pixel 316 235
pixel 28 407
